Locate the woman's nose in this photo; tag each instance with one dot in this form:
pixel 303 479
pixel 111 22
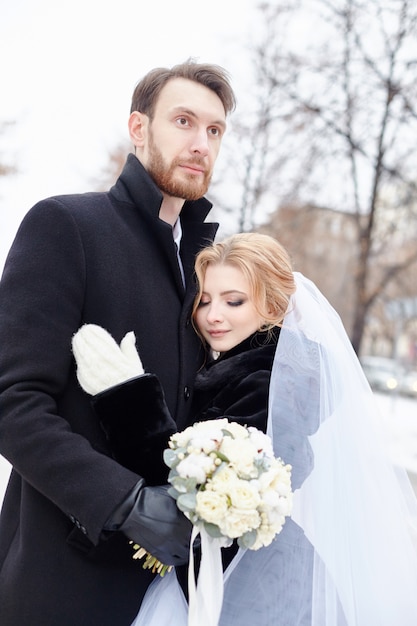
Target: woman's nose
pixel 213 314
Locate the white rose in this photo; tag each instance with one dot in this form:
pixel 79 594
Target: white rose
pixel 240 453
pixel 264 537
pixel 244 495
pixel 211 506
pixel 237 522
pixel 223 480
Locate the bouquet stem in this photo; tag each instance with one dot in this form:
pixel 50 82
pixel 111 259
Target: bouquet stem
pixel 150 562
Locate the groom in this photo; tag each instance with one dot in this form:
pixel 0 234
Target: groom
pixel 123 260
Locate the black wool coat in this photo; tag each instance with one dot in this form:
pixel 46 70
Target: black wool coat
pixel 103 258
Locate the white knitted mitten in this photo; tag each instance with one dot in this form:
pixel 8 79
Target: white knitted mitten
pixel 101 362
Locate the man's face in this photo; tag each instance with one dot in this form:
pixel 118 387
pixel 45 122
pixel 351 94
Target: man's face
pixel 182 141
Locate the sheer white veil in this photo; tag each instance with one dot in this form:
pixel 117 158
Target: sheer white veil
pixel 347 556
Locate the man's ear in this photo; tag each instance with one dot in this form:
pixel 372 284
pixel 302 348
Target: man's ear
pixel 138 127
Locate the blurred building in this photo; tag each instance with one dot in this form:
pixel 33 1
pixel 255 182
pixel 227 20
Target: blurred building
pixel 323 246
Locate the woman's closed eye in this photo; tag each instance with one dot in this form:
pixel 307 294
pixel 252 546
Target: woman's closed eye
pixel 236 302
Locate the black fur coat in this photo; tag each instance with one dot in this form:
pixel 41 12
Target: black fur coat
pixel 236 385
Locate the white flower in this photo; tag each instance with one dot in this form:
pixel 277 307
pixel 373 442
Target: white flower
pixel 196 466
pixel 239 521
pixel 285 505
pixel 240 453
pixel 277 477
pixel 180 440
pixel 261 441
pixel 203 443
pixel 237 430
pixel 270 500
pixel 264 537
pixel 246 491
pixel 244 495
pixel 224 480
pixel 206 436
pixel 211 506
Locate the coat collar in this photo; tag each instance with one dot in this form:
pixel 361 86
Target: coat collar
pixel 254 353
pixel 136 186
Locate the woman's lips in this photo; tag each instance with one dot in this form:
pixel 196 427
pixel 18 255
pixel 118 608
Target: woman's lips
pixel 217 333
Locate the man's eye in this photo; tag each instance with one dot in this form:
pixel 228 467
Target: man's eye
pixel 182 121
pixel 215 131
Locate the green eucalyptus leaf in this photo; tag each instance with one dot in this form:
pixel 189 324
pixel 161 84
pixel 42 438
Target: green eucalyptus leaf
pixel 179 483
pixel 212 529
pixel 247 540
pixel 173 492
pixel 186 502
pixel 170 457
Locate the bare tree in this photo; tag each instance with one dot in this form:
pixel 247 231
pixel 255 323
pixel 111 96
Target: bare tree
pixel 113 168
pixel 336 125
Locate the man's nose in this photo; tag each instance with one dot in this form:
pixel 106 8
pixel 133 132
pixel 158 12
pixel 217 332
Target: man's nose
pixel 200 142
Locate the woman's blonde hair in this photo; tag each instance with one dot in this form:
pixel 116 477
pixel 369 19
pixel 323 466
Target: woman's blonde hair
pixel 266 265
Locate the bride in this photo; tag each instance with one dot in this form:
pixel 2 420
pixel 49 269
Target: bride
pixel 347 556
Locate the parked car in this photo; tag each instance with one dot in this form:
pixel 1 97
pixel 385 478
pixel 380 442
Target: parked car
pixel 408 384
pixel 383 374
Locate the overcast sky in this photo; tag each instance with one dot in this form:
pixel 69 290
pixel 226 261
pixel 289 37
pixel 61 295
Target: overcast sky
pixel 67 73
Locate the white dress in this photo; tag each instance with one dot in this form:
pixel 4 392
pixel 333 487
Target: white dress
pixel 347 556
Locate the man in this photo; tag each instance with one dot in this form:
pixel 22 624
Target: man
pixel 122 260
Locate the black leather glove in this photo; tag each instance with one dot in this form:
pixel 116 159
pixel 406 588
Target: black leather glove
pixel 151 518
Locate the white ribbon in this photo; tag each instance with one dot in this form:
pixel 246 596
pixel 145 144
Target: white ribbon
pixel 205 598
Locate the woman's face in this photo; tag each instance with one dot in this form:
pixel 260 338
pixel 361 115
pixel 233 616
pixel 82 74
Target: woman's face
pixel 226 315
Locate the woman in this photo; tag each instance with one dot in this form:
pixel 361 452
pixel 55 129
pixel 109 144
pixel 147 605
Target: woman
pixel 332 564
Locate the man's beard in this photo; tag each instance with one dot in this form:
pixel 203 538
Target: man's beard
pixel 164 175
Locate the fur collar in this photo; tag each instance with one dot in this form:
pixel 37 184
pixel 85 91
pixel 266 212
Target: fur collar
pixel 253 354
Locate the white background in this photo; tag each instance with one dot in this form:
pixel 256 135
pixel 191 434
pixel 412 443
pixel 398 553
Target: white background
pixel 67 73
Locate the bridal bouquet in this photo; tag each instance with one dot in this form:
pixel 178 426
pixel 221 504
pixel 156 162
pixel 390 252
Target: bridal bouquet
pixel 226 479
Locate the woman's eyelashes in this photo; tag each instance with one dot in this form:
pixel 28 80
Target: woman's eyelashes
pixel 236 302
pixel 233 303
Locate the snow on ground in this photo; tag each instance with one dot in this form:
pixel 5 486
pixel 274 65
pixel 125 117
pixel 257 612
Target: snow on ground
pixel 399 417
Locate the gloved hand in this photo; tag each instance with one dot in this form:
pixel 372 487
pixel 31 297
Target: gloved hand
pixel 150 517
pixel 101 362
